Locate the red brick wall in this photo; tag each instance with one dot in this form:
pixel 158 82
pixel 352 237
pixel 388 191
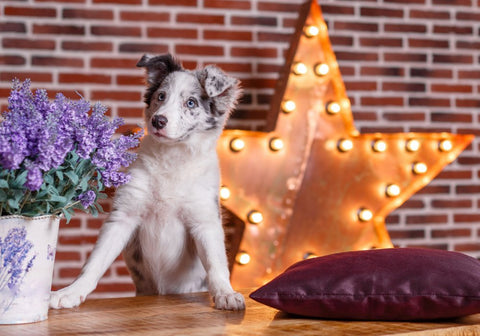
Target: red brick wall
pixel 409 65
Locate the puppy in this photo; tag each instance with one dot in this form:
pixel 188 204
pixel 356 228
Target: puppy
pixel 167 218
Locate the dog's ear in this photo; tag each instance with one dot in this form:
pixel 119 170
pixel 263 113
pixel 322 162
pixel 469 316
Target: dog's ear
pixel 223 89
pixel 158 67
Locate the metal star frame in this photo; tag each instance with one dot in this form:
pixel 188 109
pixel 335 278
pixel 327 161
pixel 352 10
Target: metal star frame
pixel 313 185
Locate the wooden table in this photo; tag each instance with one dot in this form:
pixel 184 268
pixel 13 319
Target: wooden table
pixel 193 314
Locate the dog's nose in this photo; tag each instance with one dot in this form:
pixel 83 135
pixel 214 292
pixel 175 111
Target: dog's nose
pixel 159 121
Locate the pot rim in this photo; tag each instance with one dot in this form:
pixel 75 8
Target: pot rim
pixel 30 218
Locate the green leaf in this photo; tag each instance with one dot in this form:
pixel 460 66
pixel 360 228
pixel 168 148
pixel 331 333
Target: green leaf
pixel 67 214
pixel 72 176
pixel 57 198
pixel 59 175
pixel 3 183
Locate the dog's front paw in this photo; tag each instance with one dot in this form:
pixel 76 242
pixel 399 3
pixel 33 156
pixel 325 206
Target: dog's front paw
pixel 68 297
pixel 230 301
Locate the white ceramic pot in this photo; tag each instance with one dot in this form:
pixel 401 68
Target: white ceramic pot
pixel 27 254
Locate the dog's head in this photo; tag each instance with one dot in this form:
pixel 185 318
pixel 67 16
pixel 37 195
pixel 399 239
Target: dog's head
pixel 181 102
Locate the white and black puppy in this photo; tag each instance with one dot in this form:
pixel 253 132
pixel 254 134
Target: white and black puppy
pixel 167 218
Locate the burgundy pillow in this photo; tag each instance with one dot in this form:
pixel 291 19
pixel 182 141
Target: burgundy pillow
pixel 384 284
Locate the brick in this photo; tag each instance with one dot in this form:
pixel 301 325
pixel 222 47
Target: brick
pixel 338 10
pixel 356 26
pixel 23 43
pixel 73 78
pixel 57 61
pixel 116 31
pixel 277 7
pixel 67 256
pixel 459 30
pixel 452 203
pixel 200 18
pixel 382 101
pixel 357 56
pixel 172 33
pixel 204 50
pixel 382 71
pixel 467 189
pixel 468 16
pixel 431 73
pixel 69 272
pixel 116 95
pixel 77 240
pixel 249 83
pixel 227 35
pixel 469 74
pixel 36 77
pixel 453 2
pixel 467 247
pixel 430 14
pixel 89 14
pixel 87 46
pixel 273 37
pixel 58 29
pixel 339 40
pixel 30 11
pixel 455 175
pixel 428 43
pixel 403 87
pixel 381 42
pixel 114 287
pixel 253 52
pixel 130 112
pixel 405 57
pixel 468 103
pixel 426 219
pixel 13 27
pixel 130 80
pixel 238 67
pixel 454 88
pixel 431 102
pixel 404 116
pixel 382 12
pixel 153 48
pixel 360 86
pixel 118 2
pixel 474 45
pixel 449 59
pixel 451 118
pixel 406 234
pixel 451 233
pixel 118 63
pixel 185 3
pixel 405 28
pixel 144 16
pixel 258 21
pixel 227 4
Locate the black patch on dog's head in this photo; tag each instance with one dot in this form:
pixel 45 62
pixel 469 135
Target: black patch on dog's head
pixel 158 67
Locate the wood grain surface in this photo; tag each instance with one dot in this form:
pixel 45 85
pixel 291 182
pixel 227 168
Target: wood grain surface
pixel 193 314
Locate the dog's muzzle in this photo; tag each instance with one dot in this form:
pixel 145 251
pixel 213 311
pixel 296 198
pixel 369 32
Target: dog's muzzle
pixel 159 121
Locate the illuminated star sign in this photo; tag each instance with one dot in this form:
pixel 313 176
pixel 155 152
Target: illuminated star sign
pixel 314 185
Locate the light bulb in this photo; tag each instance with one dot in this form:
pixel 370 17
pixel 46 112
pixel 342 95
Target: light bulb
pixel 237 144
pixel 309 255
pixel 392 190
pixel 299 69
pixel 333 107
pixel 379 146
pixel 364 215
pixel 288 106
pixel 276 144
pixel 224 193
pixel 345 145
pixel 311 31
pixel 321 69
pixel 445 146
pixel 255 217
pixel 412 145
pixel 419 168
pixel 243 258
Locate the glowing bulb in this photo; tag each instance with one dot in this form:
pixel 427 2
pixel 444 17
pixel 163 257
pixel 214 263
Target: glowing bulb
pixel 412 145
pixel 345 145
pixel 276 144
pixel 445 146
pixel 333 107
pixel 419 168
pixel 288 106
pixel 255 217
pixel 299 69
pixel 379 146
pixel 321 69
pixel 311 31
pixel 309 255
pixel 243 258
pixel 224 193
pixel 364 215
pixel 392 190
pixel 237 144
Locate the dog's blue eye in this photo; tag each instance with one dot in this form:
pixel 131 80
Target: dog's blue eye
pixel 191 103
pixel 161 96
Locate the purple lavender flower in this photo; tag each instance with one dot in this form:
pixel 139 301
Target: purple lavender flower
pixel 62 144
pixel 87 198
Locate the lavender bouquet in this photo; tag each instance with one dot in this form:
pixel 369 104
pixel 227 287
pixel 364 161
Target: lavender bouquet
pixel 57 156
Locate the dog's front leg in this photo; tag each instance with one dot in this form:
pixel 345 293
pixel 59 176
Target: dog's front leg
pixel 113 237
pixel 210 244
